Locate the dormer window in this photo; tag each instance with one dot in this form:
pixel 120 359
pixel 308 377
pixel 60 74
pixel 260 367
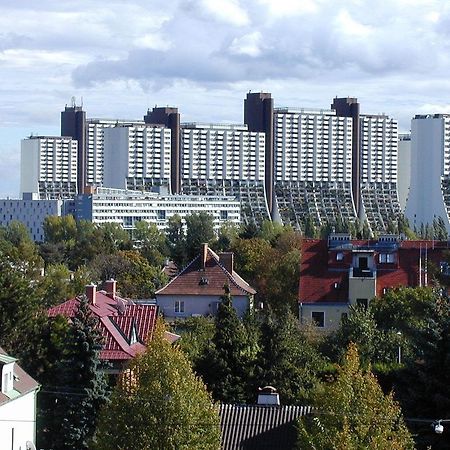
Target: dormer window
pixel 386 258
pixel 203 281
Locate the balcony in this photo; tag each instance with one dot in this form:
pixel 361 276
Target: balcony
pixel 356 272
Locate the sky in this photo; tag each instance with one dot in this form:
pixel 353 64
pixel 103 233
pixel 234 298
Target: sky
pixel 119 58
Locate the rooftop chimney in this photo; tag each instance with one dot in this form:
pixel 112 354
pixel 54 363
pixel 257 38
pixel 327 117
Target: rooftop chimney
pixel 110 288
pixel 227 261
pixel 91 292
pixel 203 255
pixel 268 395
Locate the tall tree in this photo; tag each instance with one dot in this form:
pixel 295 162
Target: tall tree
pixel 159 404
pixel 151 243
pixel 80 387
pixel 226 364
pixel 199 228
pixel 176 241
pixel 353 413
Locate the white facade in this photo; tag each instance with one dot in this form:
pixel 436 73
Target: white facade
pixel 222 152
pixel 129 207
pixel 48 167
pixel 379 148
pixel 429 194
pixel 404 168
pixel 137 156
pixel 95 147
pixel 313 166
pixel 312 146
pixel 31 213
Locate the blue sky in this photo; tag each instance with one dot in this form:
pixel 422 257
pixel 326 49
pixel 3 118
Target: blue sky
pixel 204 55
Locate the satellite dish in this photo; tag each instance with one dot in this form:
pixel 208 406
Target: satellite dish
pixel 30 446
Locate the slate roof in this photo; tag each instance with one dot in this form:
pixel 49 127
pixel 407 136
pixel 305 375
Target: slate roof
pixel 324 279
pixel 189 280
pixel 23 383
pixel 259 427
pixel 119 319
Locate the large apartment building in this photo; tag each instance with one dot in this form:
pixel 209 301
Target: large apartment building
pixel 48 167
pixel 429 194
pixel 225 160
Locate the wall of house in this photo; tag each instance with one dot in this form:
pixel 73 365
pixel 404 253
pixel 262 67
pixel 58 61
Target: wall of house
pixel 197 304
pixel 18 422
pixel 332 314
pixel 361 287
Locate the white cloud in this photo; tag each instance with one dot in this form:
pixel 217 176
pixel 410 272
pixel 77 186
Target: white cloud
pixel 249 44
pixel 227 11
pixel 288 8
pixel 152 41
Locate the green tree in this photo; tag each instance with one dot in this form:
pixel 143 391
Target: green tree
pixel 226 364
pixel 60 229
pixel 114 237
pixel 56 285
pixel 199 229
pixel 151 243
pixel 286 359
pixel 80 385
pixel 353 413
pixel 176 241
pixel 159 404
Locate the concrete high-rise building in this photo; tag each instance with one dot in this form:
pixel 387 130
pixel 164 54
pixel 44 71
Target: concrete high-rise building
pixel 258 116
pixel 137 157
pixel 403 168
pixel 313 166
pixel 73 124
pixel 48 167
pixel 429 193
pixel 170 118
pixel 225 160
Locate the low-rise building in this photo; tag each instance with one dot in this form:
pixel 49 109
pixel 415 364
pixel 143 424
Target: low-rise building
pixel 124 325
pixel 17 405
pixel 340 272
pixel 198 288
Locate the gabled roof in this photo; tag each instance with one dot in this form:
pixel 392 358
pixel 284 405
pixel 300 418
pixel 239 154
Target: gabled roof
pixel 210 280
pixel 256 427
pixel 120 321
pixel 22 384
pixel 324 279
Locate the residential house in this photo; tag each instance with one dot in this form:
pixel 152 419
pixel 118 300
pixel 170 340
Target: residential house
pixel 266 425
pixel 17 405
pixel 124 325
pixel 340 272
pixel 198 288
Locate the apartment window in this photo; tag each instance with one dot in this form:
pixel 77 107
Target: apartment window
pixel 318 318
pixel 223 215
pixel 179 306
pixel 386 258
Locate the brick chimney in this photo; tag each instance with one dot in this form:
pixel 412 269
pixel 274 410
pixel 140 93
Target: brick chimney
pixel 91 292
pixel 203 255
pixel 227 261
pixel 110 288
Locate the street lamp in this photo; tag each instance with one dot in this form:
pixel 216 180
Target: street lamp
pixel 399 354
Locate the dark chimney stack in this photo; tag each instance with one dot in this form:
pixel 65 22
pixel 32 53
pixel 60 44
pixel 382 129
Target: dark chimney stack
pixel 227 261
pixel 91 292
pixel 203 255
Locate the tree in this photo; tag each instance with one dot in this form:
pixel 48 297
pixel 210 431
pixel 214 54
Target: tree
pixel 159 404
pixel 176 241
pixel 286 359
pixel 151 243
pixel 353 413
pixel 226 364
pixel 199 229
pixel 79 385
pixel 114 238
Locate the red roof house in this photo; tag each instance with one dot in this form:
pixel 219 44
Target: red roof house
pixel 340 272
pixel 124 325
pixel 197 289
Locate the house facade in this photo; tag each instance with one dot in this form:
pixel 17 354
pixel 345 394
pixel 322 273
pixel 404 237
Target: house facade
pixel 17 405
pixel 340 272
pixel 198 288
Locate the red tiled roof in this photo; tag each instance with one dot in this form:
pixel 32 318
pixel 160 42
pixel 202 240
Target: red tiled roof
pixel 189 280
pixel 23 383
pixel 319 270
pixel 117 319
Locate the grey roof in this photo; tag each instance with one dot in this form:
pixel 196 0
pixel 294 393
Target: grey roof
pixel 260 427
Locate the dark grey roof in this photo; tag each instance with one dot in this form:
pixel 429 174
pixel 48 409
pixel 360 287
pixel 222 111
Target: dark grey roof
pixel 258 427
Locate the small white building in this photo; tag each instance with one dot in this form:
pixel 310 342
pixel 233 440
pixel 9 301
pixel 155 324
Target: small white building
pixel 17 405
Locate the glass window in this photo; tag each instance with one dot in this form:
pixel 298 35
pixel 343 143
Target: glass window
pixel 179 306
pixel 318 318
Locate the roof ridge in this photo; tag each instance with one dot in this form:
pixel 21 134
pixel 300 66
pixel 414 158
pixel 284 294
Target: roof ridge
pixel 178 275
pixel 231 277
